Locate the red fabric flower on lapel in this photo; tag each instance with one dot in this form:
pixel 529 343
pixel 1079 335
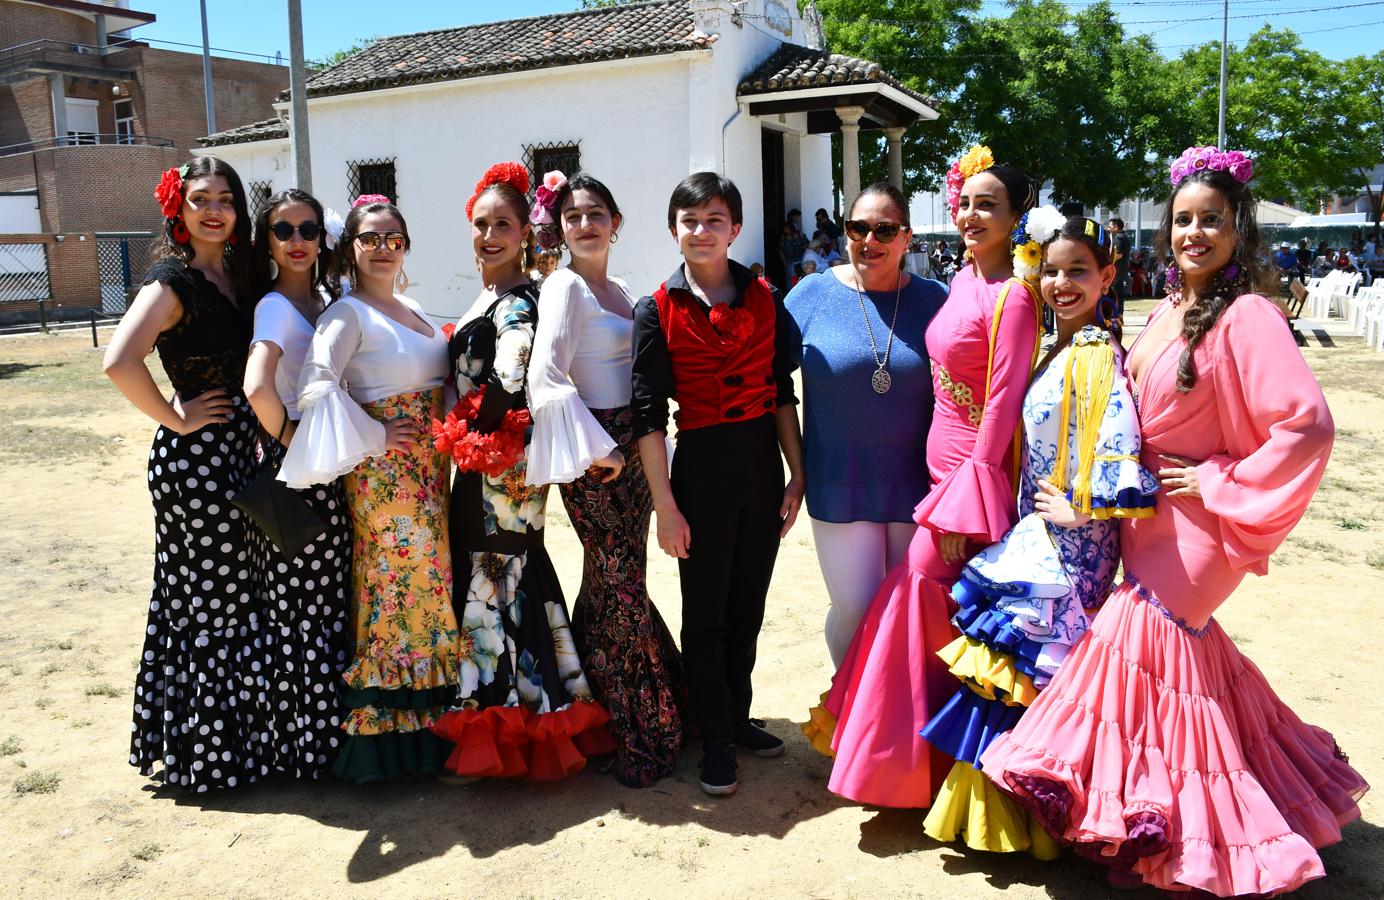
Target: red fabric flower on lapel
pixel 733 325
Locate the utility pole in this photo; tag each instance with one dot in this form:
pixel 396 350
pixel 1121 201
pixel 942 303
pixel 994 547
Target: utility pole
pixel 1225 31
pixel 297 86
pixel 207 89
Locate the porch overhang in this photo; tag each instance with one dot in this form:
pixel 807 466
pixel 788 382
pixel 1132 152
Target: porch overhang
pixel 885 106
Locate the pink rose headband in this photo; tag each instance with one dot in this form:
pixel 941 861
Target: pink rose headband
pixel 1195 159
pixel 365 199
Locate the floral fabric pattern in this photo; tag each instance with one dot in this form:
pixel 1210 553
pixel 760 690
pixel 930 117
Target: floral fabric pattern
pixel 634 666
pixel 405 632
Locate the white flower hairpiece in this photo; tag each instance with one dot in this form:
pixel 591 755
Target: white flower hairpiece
pixel 1044 223
pixel 333 224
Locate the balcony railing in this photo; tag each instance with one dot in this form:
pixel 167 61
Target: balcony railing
pixel 33 58
pixel 82 138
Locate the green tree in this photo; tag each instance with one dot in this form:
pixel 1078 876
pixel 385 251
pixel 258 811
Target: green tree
pixel 337 56
pixel 1362 84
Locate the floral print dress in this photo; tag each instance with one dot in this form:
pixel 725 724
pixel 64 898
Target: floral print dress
pixel 524 708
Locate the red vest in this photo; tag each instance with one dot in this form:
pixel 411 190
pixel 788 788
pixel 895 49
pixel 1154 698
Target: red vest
pixel 718 380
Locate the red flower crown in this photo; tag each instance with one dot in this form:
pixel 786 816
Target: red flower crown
pixel 511 173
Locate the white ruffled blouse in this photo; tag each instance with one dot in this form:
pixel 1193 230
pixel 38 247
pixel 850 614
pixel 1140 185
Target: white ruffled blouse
pixel 580 362
pixel 357 355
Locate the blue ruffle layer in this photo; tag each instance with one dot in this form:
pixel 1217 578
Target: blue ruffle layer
pixel 977 618
pixel 968 723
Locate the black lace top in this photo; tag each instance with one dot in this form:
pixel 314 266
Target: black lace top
pixel 208 346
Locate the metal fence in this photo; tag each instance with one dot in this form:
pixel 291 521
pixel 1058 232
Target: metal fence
pixel 123 259
pixel 24 273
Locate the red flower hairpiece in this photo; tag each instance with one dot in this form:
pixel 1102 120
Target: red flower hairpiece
pixel 169 193
pixel 511 173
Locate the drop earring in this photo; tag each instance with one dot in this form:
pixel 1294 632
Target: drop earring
pixel 273 269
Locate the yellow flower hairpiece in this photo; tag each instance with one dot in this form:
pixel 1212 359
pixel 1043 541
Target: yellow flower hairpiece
pixel 977 159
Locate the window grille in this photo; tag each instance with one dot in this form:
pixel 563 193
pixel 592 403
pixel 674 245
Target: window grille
pixel 556 157
pixel 371 176
pixel 260 192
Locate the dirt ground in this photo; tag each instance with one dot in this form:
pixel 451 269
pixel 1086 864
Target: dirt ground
pixel 75 819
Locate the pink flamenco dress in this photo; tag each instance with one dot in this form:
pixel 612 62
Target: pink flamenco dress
pixel 1158 747
pixel 891 679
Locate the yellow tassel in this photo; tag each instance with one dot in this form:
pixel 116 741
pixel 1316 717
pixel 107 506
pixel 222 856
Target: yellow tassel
pixel 1089 376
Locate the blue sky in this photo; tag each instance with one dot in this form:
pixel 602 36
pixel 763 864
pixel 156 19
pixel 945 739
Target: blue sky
pixel 260 26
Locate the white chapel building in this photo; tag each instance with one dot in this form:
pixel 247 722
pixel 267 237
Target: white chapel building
pixel 638 95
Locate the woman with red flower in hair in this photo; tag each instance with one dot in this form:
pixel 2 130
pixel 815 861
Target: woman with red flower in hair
pixel 200 693
pixel 524 708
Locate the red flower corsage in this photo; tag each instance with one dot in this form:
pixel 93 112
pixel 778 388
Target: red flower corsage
pixel 169 193
pixel 490 454
pixel 732 324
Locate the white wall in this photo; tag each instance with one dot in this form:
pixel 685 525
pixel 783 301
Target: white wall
pixel 19 214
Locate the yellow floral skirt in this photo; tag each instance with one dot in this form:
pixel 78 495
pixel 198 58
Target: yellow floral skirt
pixel 404 673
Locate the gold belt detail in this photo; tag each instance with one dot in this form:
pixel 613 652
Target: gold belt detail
pixel 962 394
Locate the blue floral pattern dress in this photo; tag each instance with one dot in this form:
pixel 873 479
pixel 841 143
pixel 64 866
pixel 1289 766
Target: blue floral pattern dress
pixel 1024 601
pixel 524 708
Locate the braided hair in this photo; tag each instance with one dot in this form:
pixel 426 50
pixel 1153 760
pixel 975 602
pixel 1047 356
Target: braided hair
pixel 1246 273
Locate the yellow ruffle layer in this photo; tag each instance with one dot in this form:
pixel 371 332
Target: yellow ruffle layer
pixel 989 673
pixel 820 727
pixel 971 809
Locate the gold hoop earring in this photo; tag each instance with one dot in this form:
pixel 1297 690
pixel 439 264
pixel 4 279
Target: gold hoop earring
pixel 615 237
pixel 524 244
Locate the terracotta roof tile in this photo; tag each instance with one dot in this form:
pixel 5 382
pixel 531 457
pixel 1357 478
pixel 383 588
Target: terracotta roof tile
pixel 793 67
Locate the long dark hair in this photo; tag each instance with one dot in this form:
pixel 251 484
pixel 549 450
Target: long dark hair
pixel 344 262
pixel 1250 273
pixel 235 259
pixel 1101 243
pixel 263 255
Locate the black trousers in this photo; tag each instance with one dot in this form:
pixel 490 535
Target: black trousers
pixel 728 483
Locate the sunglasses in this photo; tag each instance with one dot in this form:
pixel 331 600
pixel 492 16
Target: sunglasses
pixel 885 232
pixel 284 231
pixel 392 240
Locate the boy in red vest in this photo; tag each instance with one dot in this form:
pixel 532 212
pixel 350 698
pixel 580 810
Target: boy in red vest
pixel 712 339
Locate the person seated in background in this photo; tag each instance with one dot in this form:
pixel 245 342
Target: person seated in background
pixel 1286 262
pixel 1344 262
pixel 821 252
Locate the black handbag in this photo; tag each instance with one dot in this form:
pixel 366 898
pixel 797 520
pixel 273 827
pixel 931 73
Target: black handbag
pixel 276 508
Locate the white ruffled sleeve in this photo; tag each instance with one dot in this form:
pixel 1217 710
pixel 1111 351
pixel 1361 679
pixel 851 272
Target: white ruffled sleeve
pixel 566 438
pixel 335 434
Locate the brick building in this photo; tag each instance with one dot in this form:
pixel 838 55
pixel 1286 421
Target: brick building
pixel 89 118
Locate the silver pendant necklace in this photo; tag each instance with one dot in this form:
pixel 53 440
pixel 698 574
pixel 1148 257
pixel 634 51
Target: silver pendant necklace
pixel 880 380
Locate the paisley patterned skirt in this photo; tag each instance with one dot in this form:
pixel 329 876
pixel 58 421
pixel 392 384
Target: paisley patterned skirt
pixel 405 671
pixel 630 656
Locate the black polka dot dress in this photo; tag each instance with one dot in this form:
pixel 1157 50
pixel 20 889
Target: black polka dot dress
pixel 201 691
pixel 307 629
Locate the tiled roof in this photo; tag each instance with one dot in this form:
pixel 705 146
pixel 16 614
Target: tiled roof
pixel 538 42
pixel 267 130
pixel 793 68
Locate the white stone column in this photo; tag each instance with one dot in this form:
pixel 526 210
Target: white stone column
pixel 58 92
pixel 895 138
pixel 850 151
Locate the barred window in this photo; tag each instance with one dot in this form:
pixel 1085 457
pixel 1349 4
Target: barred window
pixel 259 193
pixel 371 176
pixel 556 157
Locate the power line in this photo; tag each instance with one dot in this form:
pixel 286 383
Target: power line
pixel 1313 31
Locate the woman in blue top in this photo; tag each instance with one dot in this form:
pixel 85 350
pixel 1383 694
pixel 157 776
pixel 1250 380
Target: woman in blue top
pixel 867 392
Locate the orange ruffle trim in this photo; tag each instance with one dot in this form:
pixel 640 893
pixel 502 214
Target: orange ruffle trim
pixel 515 742
pixel 820 728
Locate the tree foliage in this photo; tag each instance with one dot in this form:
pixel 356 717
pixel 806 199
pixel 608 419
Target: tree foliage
pixel 1095 113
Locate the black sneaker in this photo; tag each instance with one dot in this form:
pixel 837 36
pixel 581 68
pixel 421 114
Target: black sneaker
pixel 751 736
pixel 718 771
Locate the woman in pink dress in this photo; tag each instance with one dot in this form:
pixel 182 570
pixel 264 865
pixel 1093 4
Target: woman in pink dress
pixel 1158 747
pixel 982 345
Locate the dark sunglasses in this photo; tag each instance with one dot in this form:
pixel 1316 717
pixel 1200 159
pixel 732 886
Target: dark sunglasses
pixel 284 231
pixel 392 240
pixel 885 232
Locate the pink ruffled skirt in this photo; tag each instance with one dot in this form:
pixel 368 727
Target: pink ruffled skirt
pixel 1165 752
pixel 891 682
